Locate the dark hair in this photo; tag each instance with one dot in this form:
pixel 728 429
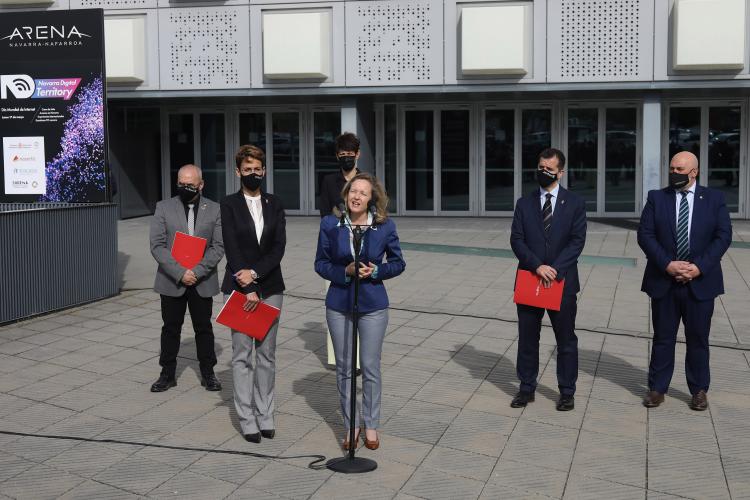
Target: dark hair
pixel 249 151
pixel 347 142
pixel 548 153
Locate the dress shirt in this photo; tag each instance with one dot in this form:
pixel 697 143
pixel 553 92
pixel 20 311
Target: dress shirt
pixel 543 196
pixel 256 211
pixel 690 196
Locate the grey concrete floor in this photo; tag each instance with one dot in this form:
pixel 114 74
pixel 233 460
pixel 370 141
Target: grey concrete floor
pixel 448 377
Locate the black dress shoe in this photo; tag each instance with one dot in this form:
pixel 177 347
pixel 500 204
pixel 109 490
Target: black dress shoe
pixel 699 402
pixel 522 399
pixel 164 383
pixel 253 438
pixel 268 433
pixel 211 383
pixel 565 403
pixel 653 399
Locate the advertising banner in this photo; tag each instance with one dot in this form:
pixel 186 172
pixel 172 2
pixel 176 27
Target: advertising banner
pixel 52 107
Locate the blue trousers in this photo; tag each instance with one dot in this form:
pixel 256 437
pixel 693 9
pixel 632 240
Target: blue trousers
pixel 529 328
pixel 677 305
pixel 371 331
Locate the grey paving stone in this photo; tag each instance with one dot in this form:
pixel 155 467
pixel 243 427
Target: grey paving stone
pixel 40 482
pixel 541 444
pixel 692 474
pixel 532 480
pixel 136 475
pixel 190 485
pixel 234 469
pixel 287 480
pixel 433 484
pixel 13 465
pixel 91 490
pixel 415 429
pixel 460 463
pixel 340 487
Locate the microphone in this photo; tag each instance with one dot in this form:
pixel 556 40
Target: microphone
pixel 342 210
pixel 373 211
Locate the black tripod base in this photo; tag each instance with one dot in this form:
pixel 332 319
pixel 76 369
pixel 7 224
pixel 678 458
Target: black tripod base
pixel 355 465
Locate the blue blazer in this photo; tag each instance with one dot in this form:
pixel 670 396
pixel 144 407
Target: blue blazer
pixel 566 239
pixel 710 237
pixel 334 254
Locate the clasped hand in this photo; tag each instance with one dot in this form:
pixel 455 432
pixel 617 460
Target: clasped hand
pixel 683 271
pixel 365 270
pixel 244 277
pixel 547 273
pixel 189 278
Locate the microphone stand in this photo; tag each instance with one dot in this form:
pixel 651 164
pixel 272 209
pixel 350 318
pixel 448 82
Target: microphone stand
pixel 351 464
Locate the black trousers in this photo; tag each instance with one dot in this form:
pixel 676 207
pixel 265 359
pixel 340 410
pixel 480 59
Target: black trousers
pixel 173 315
pixel 677 305
pixel 529 328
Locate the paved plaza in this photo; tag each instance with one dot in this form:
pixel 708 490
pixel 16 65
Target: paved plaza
pixel 448 378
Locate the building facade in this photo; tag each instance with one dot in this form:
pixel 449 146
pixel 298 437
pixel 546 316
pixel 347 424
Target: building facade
pixel 452 99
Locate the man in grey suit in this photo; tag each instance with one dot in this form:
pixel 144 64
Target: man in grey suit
pixel 182 288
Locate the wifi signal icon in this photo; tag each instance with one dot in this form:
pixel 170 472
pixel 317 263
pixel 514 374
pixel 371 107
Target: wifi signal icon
pixel 21 86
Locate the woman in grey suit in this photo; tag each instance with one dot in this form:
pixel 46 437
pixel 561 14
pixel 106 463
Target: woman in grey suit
pixel 254 229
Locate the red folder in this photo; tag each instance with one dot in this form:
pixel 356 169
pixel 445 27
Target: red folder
pixel 530 291
pixel 188 250
pixel 255 323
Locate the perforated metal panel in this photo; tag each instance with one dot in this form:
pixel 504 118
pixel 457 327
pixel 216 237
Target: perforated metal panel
pixel 207 47
pixel 112 4
pixel 394 42
pixel 594 40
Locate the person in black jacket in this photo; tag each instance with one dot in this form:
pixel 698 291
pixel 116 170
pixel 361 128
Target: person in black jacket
pixel 347 154
pixel 254 229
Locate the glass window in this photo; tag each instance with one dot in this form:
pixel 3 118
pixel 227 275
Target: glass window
pixel 536 135
pixel 181 145
pixel 499 171
pixel 213 155
pixel 684 130
pixel 620 160
pixel 454 160
pixel 419 166
pixel 582 154
pixel 391 155
pixel 724 125
pixel 327 127
pixel 253 132
pixel 286 161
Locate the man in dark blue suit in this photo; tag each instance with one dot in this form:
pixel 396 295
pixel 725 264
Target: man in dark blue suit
pixel 547 236
pixel 684 232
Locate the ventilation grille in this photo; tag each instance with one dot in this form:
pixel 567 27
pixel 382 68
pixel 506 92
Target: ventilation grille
pixel 600 39
pixel 112 4
pixel 395 43
pixel 205 47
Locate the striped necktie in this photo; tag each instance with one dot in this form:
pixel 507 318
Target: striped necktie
pixel 191 219
pixel 683 243
pixel 547 213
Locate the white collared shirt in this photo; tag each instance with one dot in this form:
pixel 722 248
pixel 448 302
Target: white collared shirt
pixel 348 224
pixel 256 211
pixel 553 200
pixel 690 199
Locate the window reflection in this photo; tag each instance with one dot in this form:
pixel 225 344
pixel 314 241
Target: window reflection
pixel 537 134
pixel 213 155
pixel 391 155
pixel 582 154
pixel 499 133
pixel 286 166
pixel 454 160
pixel 419 160
pixel 620 158
pixel 724 153
pixel 181 146
pixel 684 130
pixel 327 126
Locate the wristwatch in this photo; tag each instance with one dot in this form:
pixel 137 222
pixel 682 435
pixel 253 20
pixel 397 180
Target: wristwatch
pixel 253 274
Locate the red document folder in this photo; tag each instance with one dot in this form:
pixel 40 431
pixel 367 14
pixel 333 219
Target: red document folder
pixel 188 250
pixel 530 291
pixel 254 324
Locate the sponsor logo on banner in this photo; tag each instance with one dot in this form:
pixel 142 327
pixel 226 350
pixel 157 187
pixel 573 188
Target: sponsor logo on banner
pixel 25 87
pixel 44 36
pixel 24 170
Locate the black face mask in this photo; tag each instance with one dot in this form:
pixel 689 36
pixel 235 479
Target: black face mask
pixel 544 178
pixel 252 181
pixel 346 163
pixel 678 181
pixel 187 193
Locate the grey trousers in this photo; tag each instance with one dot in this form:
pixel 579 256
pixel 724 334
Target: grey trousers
pixel 253 385
pixel 371 331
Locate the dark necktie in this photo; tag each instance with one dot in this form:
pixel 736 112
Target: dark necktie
pixel 683 243
pixel 547 213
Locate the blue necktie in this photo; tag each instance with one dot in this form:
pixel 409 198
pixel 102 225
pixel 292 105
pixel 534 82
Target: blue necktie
pixel 683 245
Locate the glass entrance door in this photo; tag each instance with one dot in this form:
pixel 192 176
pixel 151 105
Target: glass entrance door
pixel 713 132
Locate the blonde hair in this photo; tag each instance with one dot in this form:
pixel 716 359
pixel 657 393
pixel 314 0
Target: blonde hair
pixel 379 196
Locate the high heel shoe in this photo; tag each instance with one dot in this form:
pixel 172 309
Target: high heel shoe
pixel 346 446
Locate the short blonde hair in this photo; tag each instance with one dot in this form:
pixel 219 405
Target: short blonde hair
pixel 379 196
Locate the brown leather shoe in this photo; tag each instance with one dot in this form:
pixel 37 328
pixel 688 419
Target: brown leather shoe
pixel 699 401
pixel 372 445
pixel 346 446
pixel 653 399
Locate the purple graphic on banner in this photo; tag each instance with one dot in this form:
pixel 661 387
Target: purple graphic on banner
pixel 76 174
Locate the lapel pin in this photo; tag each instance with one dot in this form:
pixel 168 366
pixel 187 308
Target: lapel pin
pixel 562 201
pixel 701 197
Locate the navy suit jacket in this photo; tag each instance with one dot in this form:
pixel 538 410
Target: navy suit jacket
pixel 710 237
pixel 565 242
pixel 334 254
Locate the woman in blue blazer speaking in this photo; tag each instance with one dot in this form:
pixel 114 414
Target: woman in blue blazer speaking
pixel 380 259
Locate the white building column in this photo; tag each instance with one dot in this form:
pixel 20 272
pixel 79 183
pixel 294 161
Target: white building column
pixel 652 167
pixel 358 117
